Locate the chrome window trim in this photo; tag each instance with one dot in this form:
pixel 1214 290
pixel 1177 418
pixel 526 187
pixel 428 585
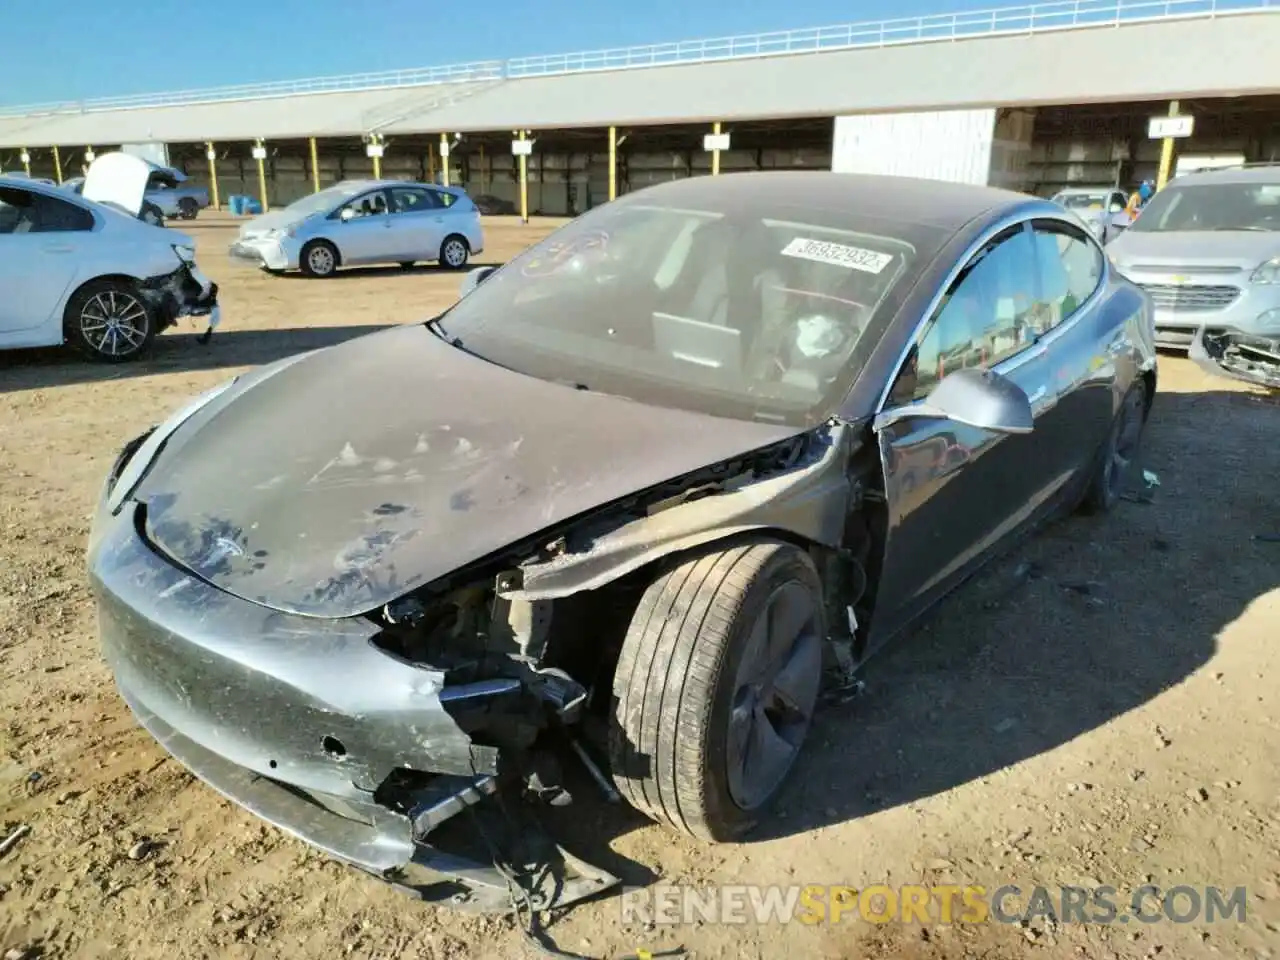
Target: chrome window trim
pixel 1033 351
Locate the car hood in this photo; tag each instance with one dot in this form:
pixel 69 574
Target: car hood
pixel 118 179
pixel 258 226
pixel 363 471
pixel 1239 249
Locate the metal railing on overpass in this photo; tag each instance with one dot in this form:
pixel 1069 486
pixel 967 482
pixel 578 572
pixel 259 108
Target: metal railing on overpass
pixel 1028 19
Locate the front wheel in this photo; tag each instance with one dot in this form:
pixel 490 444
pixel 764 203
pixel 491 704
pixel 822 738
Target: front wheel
pixel 716 685
pixel 319 259
pixel 188 209
pixel 454 252
pixel 108 320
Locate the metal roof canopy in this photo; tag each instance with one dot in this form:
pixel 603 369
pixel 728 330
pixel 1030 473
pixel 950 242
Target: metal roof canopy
pixel 1215 48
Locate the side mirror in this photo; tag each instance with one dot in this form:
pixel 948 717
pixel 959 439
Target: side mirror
pixel 975 398
pixel 474 278
pixel 347 214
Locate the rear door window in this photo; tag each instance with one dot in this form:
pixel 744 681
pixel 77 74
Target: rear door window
pixel 413 200
pixel 1070 268
pixel 23 211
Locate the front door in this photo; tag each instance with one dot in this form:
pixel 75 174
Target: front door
pixel 367 237
pixel 954 491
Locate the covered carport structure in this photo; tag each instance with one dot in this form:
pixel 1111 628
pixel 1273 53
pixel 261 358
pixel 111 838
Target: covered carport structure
pixel 987 97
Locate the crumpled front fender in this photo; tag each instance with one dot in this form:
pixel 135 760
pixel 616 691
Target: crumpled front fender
pixel 809 502
pixel 1229 353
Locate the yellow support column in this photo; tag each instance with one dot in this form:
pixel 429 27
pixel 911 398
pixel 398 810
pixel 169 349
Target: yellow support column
pixel 1166 152
pixel 524 181
pixel 715 154
pixel 613 163
pixel 212 156
pixel 26 161
pixel 260 154
pixel 445 162
pixel 375 151
pixel 57 164
pixel 315 166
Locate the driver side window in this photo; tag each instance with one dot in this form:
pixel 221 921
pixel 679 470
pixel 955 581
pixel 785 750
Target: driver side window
pixel 987 315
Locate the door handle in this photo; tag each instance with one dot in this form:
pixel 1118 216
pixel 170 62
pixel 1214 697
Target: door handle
pixel 386 224
pixel 439 219
pixel 57 248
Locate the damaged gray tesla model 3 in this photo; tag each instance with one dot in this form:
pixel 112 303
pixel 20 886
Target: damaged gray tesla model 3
pixel 641 492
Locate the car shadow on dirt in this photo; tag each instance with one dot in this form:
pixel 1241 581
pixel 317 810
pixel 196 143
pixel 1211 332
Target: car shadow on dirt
pixel 1088 620
pixel 172 353
pixel 417 270
pixel 1071 629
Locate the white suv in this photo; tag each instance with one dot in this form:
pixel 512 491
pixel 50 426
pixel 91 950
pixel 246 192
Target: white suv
pixel 83 270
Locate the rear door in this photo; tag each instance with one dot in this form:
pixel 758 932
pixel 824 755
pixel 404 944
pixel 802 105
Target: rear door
pixel 953 491
pixel 42 244
pixel 1084 334
pixel 417 217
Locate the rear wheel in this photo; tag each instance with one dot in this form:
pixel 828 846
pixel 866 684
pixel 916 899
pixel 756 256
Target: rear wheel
pixel 151 214
pixel 454 252
pixel 319 259
pixel 406 265
pixel 188 209
pixel 716 685
pixel 108 320
pixel 1118 457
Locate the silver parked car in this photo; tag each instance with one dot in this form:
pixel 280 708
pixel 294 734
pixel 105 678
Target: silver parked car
pixel 1096 206
pixel 1207 249
pixel 363 222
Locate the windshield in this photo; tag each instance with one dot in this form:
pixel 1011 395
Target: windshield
pixel 325 200
pixel 753 314
pixel 1082 201
pixel 1212 206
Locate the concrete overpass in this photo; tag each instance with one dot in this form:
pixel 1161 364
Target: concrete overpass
pixel 1072 52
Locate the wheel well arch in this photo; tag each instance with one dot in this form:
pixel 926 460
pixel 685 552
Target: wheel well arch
pixel 461 236
pixel 327 241
pixel 1149 380
pixel 609 602
pixel 79 288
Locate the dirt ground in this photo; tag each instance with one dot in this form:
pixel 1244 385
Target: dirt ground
pixel 1102 707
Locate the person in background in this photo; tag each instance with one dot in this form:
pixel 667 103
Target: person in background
pixel 1138 199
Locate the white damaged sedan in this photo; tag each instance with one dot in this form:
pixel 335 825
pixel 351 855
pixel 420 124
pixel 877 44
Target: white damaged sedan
pixel 83 270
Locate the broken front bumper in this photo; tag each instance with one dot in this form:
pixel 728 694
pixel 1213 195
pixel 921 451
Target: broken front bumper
pixel 303 722
pixel 186 292
pixel 1248 357
pixel 265 253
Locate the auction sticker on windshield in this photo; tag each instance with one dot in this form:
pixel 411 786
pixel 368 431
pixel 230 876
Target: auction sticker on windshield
pixel 837 254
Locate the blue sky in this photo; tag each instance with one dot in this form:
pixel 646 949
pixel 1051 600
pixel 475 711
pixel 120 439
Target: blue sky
pixel 141 46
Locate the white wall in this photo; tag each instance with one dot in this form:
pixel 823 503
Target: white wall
pixel 939 145
pixel 157 153
pixel 1011 150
